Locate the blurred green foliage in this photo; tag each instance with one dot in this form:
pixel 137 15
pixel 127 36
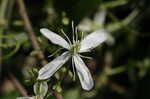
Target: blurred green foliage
pixel 120 67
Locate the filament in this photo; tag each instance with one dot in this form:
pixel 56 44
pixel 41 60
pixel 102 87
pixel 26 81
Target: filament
pixel 73 31
pixel 66 36
pixel 76 31
pixel 73 66
pixel 85 57
pixel 55 52
pixel 82 35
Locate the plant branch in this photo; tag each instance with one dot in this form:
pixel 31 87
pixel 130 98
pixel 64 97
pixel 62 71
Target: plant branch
pixel 18 86
pixel 118 88
pixel 57 95
pixel 28 26
pixel 29 29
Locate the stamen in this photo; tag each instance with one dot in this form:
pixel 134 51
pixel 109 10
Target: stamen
pixel 73 31
pixel 76 31
pixel 66 36
pixel 82 35
pixel 85 57
pixel 73 66
pixel 55 52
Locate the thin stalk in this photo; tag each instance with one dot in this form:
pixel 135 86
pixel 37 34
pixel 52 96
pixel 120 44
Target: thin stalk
pixel 17 84
pixel 28 26
pixel 3 8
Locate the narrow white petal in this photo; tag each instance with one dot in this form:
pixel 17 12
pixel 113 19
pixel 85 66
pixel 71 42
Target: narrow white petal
pixel 48 70
pixel 83 73
pixel 26 97
pixel 54 38
pixel 93 40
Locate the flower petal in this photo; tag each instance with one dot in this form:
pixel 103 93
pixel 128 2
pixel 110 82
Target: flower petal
pixel 48 70
pixel 83 73
pixel 26 97
pixel 54 38
pixel 93 40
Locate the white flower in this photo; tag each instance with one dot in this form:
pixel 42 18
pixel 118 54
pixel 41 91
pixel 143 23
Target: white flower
pixel 74 49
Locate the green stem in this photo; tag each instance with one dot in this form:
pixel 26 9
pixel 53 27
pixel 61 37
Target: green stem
pixel 118 70
pixel 114 3
pixel 3 8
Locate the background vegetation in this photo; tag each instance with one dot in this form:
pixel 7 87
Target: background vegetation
pixel 120 67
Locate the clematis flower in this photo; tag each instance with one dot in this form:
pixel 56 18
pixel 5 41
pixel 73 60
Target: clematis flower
pixel 74 50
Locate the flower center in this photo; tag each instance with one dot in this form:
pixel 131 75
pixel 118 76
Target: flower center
pixel 75 48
